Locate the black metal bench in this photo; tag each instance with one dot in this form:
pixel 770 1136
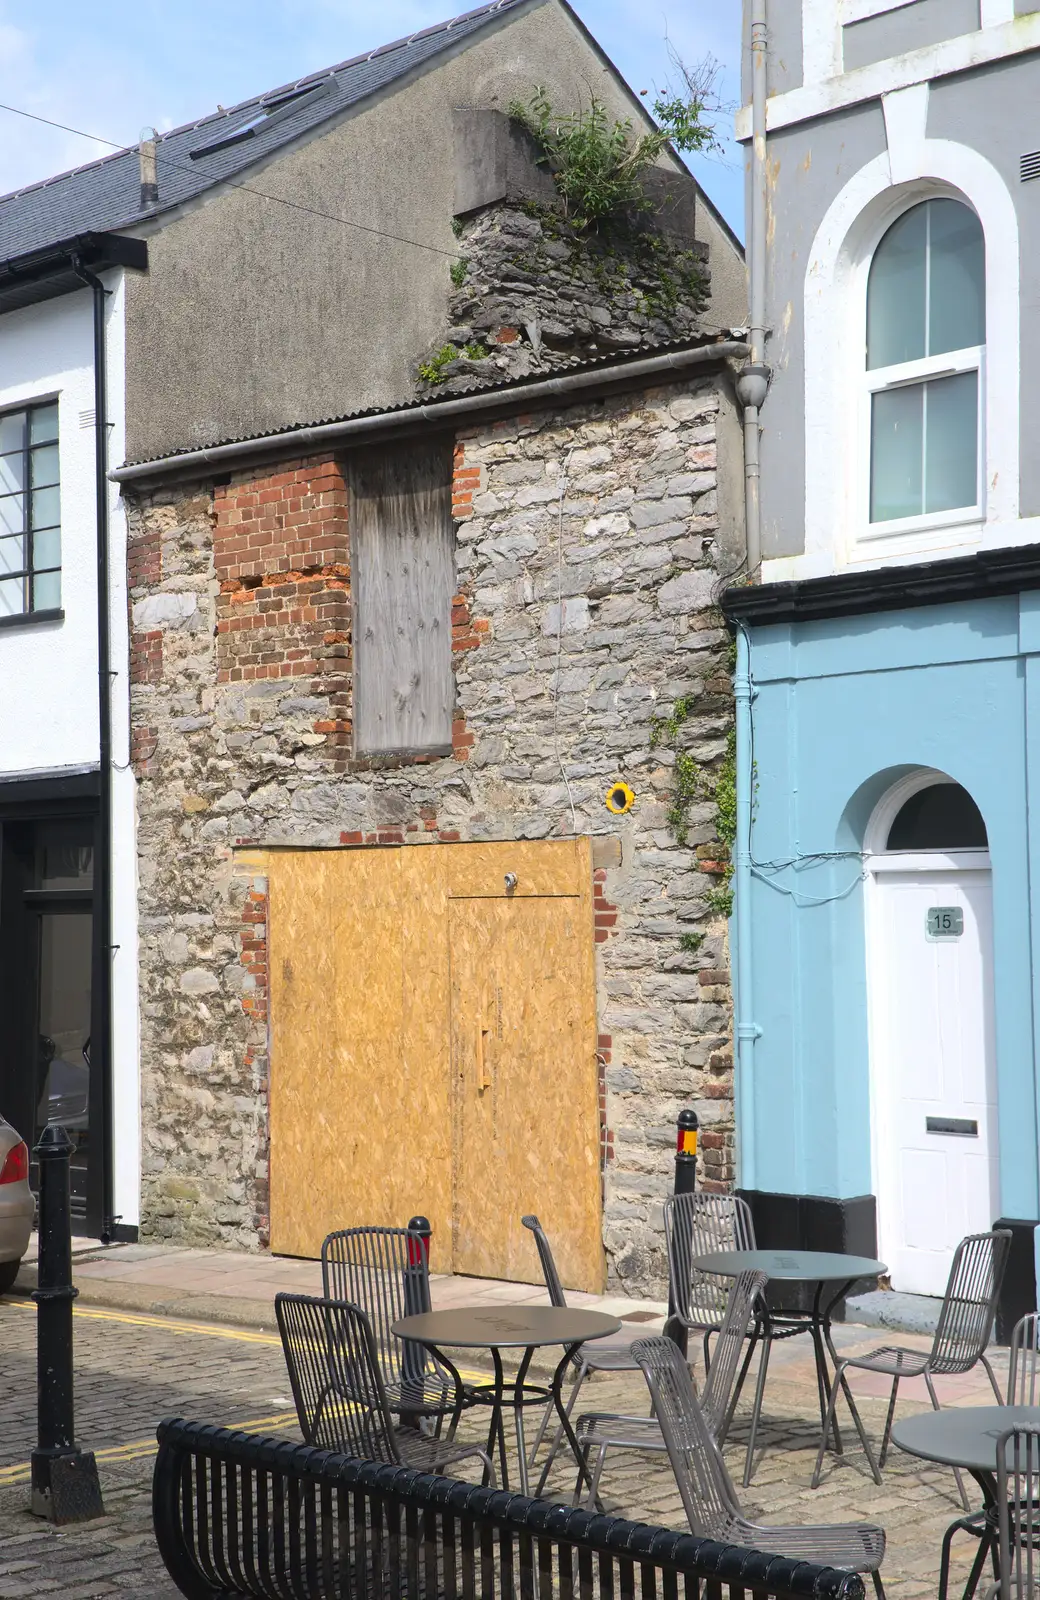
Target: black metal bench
pixel 240 1514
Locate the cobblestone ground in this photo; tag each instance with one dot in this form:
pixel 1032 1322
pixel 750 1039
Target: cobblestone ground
pixel 133 1370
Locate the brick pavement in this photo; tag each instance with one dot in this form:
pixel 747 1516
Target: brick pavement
pixel 132 1370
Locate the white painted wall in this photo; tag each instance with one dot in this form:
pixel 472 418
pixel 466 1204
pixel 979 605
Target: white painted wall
pixel 48 708
pixel 49 701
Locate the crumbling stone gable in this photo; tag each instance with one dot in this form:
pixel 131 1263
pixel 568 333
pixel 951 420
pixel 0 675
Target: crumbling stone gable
pixel 587 556
pixel 536 293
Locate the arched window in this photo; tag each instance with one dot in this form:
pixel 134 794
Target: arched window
pixel 926 334
pixel 941 817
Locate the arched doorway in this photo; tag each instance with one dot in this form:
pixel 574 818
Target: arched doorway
pixel 933 1055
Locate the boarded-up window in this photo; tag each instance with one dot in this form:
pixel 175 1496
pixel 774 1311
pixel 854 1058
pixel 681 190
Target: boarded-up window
pixel 402 584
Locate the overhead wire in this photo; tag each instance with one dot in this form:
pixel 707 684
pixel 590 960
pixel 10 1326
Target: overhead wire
pixel 261 194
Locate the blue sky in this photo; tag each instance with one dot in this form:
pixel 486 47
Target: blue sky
pixel 164 62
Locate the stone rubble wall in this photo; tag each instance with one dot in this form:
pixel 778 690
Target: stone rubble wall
pixel 538 292
pixel 588 555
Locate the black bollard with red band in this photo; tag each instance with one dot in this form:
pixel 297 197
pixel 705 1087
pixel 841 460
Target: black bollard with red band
pixel 65 1486
pixel 416 1300
pixel 685 1183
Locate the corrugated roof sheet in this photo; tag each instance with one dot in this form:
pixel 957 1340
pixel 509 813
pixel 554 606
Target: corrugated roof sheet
pixel 476 385
pixel 105 195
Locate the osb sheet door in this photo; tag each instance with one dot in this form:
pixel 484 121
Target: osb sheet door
pixel 359 1096
pixel 523 1046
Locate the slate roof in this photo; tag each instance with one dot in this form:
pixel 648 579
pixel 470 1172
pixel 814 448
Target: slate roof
pixel 105 195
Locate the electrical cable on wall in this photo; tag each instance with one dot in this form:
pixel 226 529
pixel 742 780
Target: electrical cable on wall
pixel 763 870
pixel 180 166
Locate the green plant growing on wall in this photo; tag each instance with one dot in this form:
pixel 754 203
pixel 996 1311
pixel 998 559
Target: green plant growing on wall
pixel 691 942
pixel 597 163
pixel 432 371
pixel 719 900
pixel 686 786
pixel 458 271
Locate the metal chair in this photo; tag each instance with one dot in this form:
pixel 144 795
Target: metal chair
pixel 1018 1515
pixel 341 1400
pixel 1023 1389
pixel 1024 1365
pixel 602 1430
pixel 603 1356
pixel 961 1336
pixel 699 1224
pixel 384 1271
pixel 707 1491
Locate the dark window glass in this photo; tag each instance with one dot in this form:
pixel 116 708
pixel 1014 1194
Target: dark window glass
pixel 941 817
pixel 30 511
pixel 64 857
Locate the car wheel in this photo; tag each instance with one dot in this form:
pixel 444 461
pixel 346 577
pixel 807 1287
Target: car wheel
pixel 8 1273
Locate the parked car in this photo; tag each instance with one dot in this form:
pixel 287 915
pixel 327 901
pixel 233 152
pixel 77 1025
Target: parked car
pixel 17 1206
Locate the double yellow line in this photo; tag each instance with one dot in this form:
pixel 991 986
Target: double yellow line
pixel 166 1324
pixel 143 1447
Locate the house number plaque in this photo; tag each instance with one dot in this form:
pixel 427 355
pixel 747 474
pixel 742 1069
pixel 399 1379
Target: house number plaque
pixel 944 922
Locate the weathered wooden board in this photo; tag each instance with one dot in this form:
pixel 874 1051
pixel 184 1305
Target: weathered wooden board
pixel 359 1062
pixel 526 1085
pixel 403 580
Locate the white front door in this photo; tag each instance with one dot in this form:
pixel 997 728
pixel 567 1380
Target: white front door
pixel 933 1066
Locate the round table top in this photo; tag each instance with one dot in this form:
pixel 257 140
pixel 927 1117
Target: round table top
pixel 791 1266
pixel 961 1436
pixel 504 1327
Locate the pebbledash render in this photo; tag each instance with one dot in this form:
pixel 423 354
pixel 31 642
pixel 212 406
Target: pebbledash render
pixel 592 535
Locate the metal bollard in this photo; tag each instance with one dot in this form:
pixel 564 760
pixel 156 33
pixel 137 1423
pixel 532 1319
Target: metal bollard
pixel 686 1152
pixel 416 1300
pixel 65 1486
pixel 685 1183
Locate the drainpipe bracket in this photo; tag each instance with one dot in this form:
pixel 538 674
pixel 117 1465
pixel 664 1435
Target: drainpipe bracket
pixel 748 1030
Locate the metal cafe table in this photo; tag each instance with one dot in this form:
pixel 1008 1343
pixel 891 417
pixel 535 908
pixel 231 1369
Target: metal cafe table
pixel 526 1328
pixel 965 1437
pixel 833 1274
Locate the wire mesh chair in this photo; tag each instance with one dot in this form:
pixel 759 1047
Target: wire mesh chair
pixel 961 1336
pixel 602 1430
pixel 699 1224
pixel 603 1356
pixel 384 1271
pixel 1018 1514
pixel 707 1491
pixel 341 1400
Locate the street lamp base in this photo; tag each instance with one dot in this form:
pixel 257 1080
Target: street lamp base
pixel 65 1486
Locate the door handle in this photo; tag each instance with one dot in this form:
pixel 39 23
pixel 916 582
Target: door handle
pixel 483 1074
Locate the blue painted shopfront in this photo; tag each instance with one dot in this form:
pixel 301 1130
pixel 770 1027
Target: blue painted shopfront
pixel 842 708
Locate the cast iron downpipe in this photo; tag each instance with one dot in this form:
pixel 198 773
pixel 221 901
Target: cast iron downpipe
pixel 746 1030
pixel 753 380
pixel 752 385
pixel 101 998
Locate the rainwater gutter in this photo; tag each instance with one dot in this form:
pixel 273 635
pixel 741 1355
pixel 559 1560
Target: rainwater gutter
pixel 752 385
pixel 437 412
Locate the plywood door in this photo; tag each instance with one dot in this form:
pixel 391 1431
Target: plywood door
pixel 523 1046
pixel 359 1097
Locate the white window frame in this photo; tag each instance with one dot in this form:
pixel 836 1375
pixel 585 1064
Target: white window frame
pixel 906 375
pixel 933 531
pixel 913 168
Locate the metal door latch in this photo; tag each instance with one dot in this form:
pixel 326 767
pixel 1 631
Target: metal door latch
pixel 511 882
